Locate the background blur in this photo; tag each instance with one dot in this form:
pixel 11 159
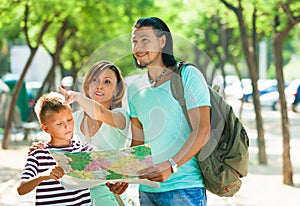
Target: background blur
pixel 250 47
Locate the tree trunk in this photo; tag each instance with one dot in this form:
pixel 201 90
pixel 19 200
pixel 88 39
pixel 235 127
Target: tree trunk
pixel 251 60
pixel 16 91
pixel 33 50
pixel 240 78
pixel 50 78
pixel 287 168
pixel 278 40
pixel 253 71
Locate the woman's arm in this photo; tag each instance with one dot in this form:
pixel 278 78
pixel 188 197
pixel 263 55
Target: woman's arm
pixel 35 146
pixel 27 186
pixel 137 132
pixel 94 109
pixel 137 139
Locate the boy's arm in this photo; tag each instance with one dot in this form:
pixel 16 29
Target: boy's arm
pixel 27 186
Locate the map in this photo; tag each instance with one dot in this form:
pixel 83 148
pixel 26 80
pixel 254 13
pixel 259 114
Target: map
pixel 88 169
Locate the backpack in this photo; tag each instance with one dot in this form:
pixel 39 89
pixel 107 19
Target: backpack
pixel 223 160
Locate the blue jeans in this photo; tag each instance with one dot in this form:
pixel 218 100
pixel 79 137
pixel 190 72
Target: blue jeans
pixel 181 197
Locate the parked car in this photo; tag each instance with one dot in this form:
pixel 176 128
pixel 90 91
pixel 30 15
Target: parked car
pixel 236 88
pixel 271 99
pixel 219 80
pixel 264 87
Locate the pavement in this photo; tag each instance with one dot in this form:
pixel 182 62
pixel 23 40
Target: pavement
pixel 261 187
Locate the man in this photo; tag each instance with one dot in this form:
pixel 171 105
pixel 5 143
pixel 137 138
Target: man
pixel 157 119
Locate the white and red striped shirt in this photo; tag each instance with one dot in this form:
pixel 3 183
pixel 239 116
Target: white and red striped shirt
pixel 51 192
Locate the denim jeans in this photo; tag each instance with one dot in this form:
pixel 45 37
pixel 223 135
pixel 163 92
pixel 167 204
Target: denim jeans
pixel 181 197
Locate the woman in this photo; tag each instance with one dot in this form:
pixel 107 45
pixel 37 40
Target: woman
pixel 102 122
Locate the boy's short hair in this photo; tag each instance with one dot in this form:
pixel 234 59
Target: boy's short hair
pixel 50 102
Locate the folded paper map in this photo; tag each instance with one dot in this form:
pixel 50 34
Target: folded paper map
pixel 88 169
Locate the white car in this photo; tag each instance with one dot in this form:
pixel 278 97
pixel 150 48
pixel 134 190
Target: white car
pixel 237 87
pixel 271 99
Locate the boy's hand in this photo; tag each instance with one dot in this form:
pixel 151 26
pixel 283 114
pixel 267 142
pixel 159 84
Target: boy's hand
pixel 55 173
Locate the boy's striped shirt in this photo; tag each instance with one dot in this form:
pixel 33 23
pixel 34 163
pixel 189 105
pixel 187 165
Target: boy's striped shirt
pixel 51 192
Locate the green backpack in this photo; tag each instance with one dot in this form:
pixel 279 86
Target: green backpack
pixel 223 160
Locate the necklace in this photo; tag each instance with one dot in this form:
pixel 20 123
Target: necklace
pixel 154 81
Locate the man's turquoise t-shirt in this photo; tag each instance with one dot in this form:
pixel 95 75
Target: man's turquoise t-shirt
pixel 164 124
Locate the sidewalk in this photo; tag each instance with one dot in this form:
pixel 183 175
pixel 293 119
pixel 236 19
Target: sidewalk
pixel 11 163
pixel 261 187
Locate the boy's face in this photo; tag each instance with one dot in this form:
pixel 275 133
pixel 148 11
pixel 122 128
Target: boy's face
pixel 59 125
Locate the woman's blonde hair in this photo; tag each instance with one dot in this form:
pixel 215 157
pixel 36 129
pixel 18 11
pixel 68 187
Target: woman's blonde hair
pixel 95 70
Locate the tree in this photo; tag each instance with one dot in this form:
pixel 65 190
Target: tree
pixel 69 40
pixel 60 42
pixel 284 21
pixel 17 88
pixel 251 60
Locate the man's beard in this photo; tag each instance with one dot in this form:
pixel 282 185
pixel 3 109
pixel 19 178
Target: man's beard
pixel 144 64
pixel 140 65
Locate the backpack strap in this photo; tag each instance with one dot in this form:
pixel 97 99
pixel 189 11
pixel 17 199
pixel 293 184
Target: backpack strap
pixel 218 112
pixel 178 90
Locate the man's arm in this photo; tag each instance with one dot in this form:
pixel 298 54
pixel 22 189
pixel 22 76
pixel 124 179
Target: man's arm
pixel 200 120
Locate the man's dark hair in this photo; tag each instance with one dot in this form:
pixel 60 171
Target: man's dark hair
pixel 161 29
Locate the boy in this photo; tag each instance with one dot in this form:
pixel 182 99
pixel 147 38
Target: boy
pixel 40 171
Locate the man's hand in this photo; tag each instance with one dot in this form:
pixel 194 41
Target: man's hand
pixel 157 173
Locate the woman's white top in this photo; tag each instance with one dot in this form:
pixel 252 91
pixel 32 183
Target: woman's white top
pixel 107 137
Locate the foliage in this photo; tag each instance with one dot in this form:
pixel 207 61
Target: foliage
pixel 90 24
pixel 97 28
